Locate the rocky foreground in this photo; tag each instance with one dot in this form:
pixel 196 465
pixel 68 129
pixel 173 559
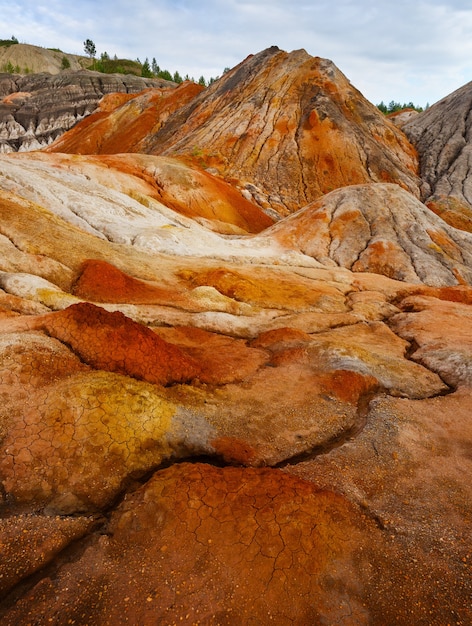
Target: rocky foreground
pixel 235 365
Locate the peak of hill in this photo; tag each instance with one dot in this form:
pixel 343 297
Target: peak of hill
pixel 233 340
pixel 27 59
pixel 286 126
pixel 298 129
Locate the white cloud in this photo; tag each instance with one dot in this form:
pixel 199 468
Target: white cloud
pixel 403 50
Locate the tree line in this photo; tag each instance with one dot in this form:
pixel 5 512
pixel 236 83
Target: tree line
pixel 8 42
pixel 393 107
pixel 108 65
pixel 146 69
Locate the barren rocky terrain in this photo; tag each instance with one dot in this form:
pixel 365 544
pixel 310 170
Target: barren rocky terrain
pixel 236 361
pixel 442 137
pixel 37 108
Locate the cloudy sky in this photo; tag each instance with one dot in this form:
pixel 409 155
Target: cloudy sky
pixel 402 50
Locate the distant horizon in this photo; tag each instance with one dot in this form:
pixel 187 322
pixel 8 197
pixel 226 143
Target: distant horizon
pixel 405 52
pixel 207 78
pixel 196 78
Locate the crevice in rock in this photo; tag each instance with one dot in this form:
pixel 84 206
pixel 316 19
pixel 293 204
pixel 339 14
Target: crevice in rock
pixel 305 195
pixel 410 351
pixel 368 242
pixel 98 233
pixel 135 481
pixel 13 243
pixel 375 517
pixel 340 439
pixel 450 388
pixel 71 553
pixel 76 548
pixel 412 347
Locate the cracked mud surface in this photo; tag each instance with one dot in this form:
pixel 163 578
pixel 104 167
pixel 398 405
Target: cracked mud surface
pixel 199 544
pixel 341 532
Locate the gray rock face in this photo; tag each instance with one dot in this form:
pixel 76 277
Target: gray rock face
pixel 442 135
pixel 36 109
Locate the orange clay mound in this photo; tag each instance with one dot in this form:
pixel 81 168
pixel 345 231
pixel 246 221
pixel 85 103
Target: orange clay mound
pixel 115 343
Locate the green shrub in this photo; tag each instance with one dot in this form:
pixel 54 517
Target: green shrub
pixel 146 69
pixel 8 67
pixel 117 66
pixel 8 42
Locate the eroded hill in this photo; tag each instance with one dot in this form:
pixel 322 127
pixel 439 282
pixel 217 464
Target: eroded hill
pixel 442 136
pixel 286 128
pixel 36 109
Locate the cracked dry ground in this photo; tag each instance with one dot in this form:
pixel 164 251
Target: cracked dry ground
pixel 311 473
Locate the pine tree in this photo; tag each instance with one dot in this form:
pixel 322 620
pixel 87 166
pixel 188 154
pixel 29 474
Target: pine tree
pixel 165 74
pixel 90 50
pixel 146 69
pixel 382 107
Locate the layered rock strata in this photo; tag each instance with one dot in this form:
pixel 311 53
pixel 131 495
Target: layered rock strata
pixel 35 109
